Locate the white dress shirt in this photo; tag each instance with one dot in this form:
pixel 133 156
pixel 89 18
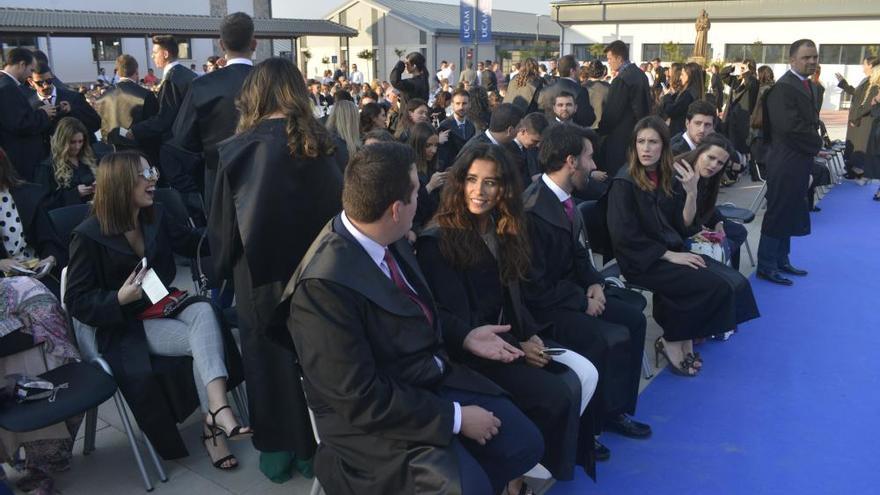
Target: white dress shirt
pixel 244 61
pixel 558 191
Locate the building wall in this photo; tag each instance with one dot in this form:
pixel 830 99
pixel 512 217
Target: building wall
pixel 732 32
pixel 199 7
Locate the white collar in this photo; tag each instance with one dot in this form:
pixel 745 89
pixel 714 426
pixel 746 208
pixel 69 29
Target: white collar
pixel 13 77
pixel 562 121
pixel 491 138
pixel 459 122
pixel 53 96
pixel 687 139
pixel 558 191
pixel 375 250
pixel 521 147
pixel 802 78
pixel 168 68
pixel 239 60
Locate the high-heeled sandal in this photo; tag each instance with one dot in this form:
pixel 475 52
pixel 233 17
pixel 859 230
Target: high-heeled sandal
pixel 694 359
pixel 683 368
pixel 523 489
pixel 219 462
pixel 235 434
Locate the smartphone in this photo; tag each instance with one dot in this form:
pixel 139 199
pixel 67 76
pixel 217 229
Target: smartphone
pixel 140 267
pixel 553 351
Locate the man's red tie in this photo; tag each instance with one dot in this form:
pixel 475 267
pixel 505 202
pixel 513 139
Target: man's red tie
pixel 398 280
pixel 568 206
pixel 807 86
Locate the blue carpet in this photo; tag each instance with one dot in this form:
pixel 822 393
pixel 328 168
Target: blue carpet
pixel 789 405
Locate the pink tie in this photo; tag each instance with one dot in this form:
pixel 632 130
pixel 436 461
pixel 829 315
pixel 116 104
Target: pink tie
pixel 398 280
pixel 568 206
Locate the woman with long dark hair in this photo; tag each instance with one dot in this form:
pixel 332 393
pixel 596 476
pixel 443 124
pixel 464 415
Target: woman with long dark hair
pixel 126 239
pixel 650 210
pixel 372 117
pixel 415 111
pixel 743 97
pixel 757 143
pixel 674 106
pixel 474 256
pixel 417 85
pixel 277 185
pixel 425 141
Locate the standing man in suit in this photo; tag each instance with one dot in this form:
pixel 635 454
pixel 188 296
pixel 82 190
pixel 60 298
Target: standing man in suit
pixel 629 99
pixel 604 324
pixel 502 127
pixel 21 126
pixel 208 114
pixel 127 103
pixel 461 129
pixel 791 123
pixel 176 81
pixel 525 146
pixel 488 78
pixel 395 415
pixel 567 82
pixel 468 75
pixel 69 103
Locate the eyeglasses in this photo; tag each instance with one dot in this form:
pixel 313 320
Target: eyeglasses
pixel 45 82
pixel 151 174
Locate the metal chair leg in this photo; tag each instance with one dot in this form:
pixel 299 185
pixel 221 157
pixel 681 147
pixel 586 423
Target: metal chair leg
pixel 91 427
pixel 646 367
pixel 749 251
pixel 238 396
pixel 126 423
pixel 162 476
pixel 316 487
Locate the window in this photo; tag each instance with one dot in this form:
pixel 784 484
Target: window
pixel 669 52
pixel 587 53
pixel 184 52
pixel 423 38
pixel 9 42
pixel 846 54
pixel 106 48
pixel 759 52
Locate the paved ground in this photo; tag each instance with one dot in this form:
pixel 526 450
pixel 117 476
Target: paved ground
pixel 111 469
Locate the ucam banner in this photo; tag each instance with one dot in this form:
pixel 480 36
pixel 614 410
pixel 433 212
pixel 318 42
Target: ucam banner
pixel 467 12
pixel 484 21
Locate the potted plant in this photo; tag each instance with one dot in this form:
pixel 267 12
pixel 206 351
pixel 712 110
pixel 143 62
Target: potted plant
pixel 325 60
pixel 306 53
pixel 365 54
pixel 399 52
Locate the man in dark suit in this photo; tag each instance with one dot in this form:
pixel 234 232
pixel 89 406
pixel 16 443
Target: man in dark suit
pixel 488 78
pixel 791 123
pixel 699 123
pixel 461 130
pixel 604 324
pixel 69 103
pixel 176 80
pixel 629 100
pixel 525 146
pixel 393 412
pixel 567 82
pixel 502 127
pixel 208 114
pixel 21 126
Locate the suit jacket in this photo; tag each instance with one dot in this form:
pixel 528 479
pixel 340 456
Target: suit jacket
pixel 469 75
pixel 561 268
pixel 172 91
pixel 524 97
pixel 457 139
pixel 526 162
pixel 125 105
pixel 21 128
pixel 383 426
pixel 79 108
pixel 629 99
pixel 584 117
pixel 489 80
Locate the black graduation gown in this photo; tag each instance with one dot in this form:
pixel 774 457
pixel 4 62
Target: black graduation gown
pixel 688 303
pixel 457 139
pixel 743 96
pixel 159 390
pixel 584 117
pixel 629 99
pixel 368 360
pixel 21 128
pixel 58 197
pixel 791 125
pixel 125 105
pixel 206 117
pixel 80 109
pixel 267 208
pixel 414 87
pixel 675 109
pixel 467 299
pixel 172 91
pixel 555 291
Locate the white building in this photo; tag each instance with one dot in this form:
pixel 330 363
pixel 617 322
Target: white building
pixel 844 30
pixel 432 28
pixel 79 42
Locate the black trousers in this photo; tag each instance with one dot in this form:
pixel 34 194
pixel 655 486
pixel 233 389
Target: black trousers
pixel 614 342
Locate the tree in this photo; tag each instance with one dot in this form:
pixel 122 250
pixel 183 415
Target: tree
pixel 872 51
pixel 597 50
pixel 672 52
pixel 502 54
pixel 756 51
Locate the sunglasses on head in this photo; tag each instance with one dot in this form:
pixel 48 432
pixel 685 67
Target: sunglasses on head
pixel 45 82
pixel 150 174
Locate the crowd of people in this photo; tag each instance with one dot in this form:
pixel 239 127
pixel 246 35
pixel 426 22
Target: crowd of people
pixel 412 260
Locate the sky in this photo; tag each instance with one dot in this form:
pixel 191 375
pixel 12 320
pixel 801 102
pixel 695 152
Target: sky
pixel 299 9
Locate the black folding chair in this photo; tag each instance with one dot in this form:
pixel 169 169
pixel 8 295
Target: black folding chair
pixel 67 218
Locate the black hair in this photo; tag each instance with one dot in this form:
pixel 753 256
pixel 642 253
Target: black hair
pixel 377 176
pixel 505 116
pixel 558 142
pixel 237 31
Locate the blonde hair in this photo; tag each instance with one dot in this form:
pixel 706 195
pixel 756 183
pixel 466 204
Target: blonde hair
pixel 873 82
pixel 68 127
pixel 345 121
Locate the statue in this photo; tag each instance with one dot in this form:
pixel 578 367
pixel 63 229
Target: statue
pixel 701 45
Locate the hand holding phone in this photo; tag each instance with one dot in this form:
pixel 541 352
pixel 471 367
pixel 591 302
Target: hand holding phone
pixel 131 289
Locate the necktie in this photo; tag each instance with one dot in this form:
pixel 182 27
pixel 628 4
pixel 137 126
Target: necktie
pixel 461 129
pixel 398 280
pixel 807 87
pixel 568 206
